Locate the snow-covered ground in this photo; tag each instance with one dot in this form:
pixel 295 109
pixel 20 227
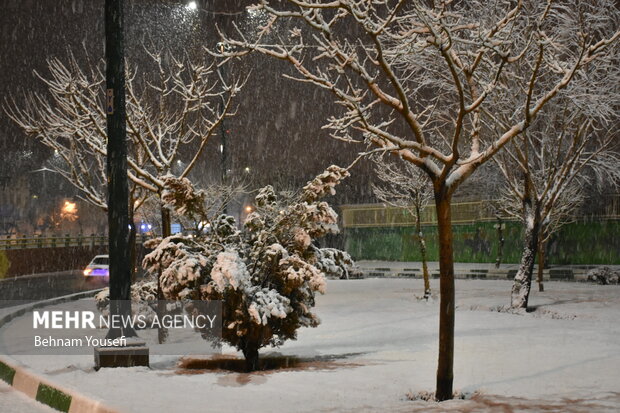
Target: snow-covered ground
pixel 378 343
pixel 13 401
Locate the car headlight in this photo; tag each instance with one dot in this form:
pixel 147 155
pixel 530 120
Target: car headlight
pixel 87 271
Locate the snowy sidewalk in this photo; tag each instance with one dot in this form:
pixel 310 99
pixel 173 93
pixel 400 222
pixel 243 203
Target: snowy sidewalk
pixel 378 343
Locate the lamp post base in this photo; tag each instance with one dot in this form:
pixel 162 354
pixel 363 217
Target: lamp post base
pixel 135 353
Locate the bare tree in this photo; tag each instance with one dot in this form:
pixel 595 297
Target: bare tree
pixel 546 171
pixel 406 186
pixel 428 81
pixel 179 108
pixel 564 212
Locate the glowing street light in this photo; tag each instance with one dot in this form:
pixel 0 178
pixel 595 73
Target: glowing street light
pixel 69 211
pixel 192 5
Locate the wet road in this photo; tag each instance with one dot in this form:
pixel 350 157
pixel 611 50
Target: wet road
pixel 44 286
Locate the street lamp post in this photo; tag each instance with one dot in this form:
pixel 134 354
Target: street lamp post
pixel 224 132
pixel 118 190
pixel 223 145
pixel 118 196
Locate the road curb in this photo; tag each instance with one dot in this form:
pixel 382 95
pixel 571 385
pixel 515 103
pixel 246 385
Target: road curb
pixel 43 303
pixel 39 388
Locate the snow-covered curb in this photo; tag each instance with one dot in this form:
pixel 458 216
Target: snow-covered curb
pixel 42 390
pixel 7 316
pixel 48 393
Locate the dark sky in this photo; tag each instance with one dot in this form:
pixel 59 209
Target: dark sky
pixel 276 132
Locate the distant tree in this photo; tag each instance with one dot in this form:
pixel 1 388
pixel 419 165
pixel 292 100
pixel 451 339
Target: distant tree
pixel 406 186
pixel 434 82
pixel 547 171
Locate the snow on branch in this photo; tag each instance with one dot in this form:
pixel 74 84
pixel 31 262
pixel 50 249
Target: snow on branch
pixel 182 103
pixel 447 83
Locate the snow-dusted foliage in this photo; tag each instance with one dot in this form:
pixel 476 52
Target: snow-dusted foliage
pixel 266 271
pixel 180 195
pixel 604 276
pixel 143 299
pixel 324 183
pixel 335 263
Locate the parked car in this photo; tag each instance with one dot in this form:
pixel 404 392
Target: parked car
pixel 98 267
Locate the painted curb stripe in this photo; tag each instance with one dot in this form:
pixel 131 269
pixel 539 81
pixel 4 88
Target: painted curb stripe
pixel 6 373
pixel 32 386
pixel 54 398
pixel 26 382
pixel 50 394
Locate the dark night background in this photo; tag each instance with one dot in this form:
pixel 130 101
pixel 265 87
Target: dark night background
pixel 276 133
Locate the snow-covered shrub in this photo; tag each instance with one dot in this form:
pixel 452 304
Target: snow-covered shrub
pixel 335 263
pixel 180 195
pixel 604 276
pixel 266 271
pixel 143 299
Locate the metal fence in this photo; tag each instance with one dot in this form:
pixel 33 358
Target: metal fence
pixel 43 241
pixel 374 215
pixel 56 241
pixel 380 215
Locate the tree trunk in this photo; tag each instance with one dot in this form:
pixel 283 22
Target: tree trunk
pixel 250 353
pixel 523 279
pixel 166 222
pixel 541 265
pixel 445 366
pixel 162 332
pixel 418 228
pixel 427 283
pixel 500 236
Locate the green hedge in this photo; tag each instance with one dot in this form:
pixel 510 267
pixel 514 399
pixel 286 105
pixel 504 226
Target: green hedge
pixel 577 243
pixel 5 264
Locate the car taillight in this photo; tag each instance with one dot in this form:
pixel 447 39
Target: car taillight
pixel 87 271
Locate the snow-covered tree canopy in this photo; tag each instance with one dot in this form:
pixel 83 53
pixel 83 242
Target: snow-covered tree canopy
pixel 564 153
pixel 548 170
pixel 445 84
pixel 180 104
pixel 266 271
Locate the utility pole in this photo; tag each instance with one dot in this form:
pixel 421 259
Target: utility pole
pixel 118 189
pixel 118 197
